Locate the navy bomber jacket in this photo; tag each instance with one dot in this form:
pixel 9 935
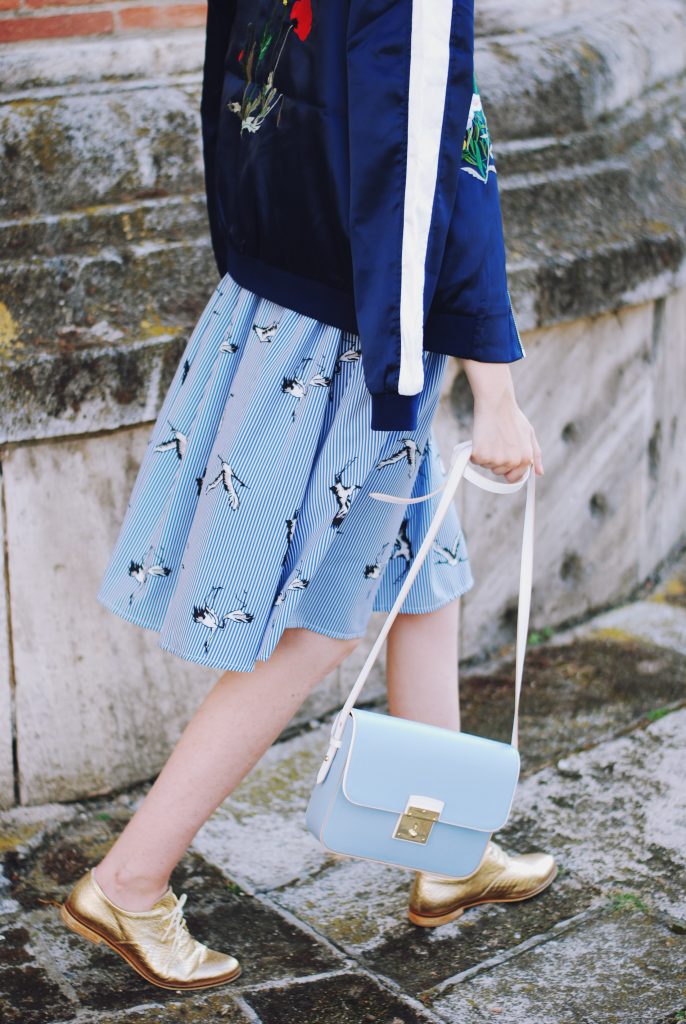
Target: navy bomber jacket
pixel 350 176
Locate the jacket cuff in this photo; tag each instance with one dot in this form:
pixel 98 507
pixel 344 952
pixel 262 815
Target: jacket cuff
pixel 391 411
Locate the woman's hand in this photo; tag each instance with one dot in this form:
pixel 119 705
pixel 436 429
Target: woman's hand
pixel 503 439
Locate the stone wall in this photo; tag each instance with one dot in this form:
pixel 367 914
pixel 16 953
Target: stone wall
pixel 106 263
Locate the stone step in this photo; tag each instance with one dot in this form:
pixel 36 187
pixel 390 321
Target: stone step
pixel 127 287
pixel 106 142
pixel 173 218
pixel 554 73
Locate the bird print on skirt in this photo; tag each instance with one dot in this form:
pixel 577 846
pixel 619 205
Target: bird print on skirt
pixel 343 495
pixel 226 477
pixel 253 501
pixel 151 565
pixel 208 617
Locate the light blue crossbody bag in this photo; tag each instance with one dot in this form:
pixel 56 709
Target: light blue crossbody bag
pixel 414 795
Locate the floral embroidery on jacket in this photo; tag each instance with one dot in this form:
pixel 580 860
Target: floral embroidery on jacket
pixel 261 53
pixel 477 149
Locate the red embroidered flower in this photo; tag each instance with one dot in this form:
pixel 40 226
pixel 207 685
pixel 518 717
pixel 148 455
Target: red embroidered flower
pixel 302 12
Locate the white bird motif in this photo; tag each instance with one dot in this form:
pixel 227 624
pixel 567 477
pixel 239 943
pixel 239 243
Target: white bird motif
pixel 295 386
pixel 265 333
pixel 409 452
pixel 351 355
pixel 226 476
pixel 296 584
pixel 343 495
pixel 320 380
pixel 402 547
pixel 177 442
pixel 207 616
pixel 140 571
pixel 373 572
pixel 449 554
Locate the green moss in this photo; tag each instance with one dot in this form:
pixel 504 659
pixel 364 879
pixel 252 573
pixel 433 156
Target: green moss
pixel 541 635
pixel 656 713
pixel 620 901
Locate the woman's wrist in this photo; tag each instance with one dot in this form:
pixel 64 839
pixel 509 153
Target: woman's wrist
pixel 490 383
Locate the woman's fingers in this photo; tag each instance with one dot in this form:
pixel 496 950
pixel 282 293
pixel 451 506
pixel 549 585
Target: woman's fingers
pixel 505 442
pixel 512 466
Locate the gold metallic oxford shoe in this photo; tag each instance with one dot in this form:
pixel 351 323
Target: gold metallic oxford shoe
pixel 155 942
pixel 500 878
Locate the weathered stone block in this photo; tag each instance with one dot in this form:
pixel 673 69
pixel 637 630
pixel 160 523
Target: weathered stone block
pixel 98 703
pixel 91 146
pixel 665 486
pixel 591 497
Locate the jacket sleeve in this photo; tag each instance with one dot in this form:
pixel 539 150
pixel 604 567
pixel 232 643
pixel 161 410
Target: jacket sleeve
pixel 410 71
pixel 220 15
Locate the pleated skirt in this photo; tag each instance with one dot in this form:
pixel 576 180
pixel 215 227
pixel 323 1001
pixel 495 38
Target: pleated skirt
pixel 251 511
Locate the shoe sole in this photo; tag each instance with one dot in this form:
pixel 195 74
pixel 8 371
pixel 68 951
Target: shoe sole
pixel 431 920
pixel 87 932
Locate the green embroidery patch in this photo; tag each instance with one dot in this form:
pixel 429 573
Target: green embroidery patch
pixel 477 151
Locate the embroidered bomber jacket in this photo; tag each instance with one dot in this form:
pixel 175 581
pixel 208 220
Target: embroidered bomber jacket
pixel 350 176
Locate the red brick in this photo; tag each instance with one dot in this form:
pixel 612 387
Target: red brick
pixel 61 3
pixel 56 26
pixel 167 16
pixel 8 5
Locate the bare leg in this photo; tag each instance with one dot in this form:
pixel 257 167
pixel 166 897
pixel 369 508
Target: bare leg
pixel 236 723
pixel 421 666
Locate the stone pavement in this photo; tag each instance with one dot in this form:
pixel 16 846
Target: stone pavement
pixel 326 940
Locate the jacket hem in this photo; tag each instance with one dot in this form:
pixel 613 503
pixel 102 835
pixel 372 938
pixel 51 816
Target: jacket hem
pixel 306 296
pixel 492 338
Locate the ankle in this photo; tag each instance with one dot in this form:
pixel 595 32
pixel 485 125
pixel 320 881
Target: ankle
pixel 127 889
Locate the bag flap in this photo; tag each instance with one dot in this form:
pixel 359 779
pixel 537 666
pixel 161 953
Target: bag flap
pixel 392 758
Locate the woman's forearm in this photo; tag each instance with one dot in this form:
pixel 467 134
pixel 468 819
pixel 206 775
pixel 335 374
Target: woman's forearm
pixel 491 383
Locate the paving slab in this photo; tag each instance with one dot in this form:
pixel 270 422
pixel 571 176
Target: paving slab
pixel 624 968
pixel 185 1010
pixel 28 994
pixel 271 945
pixel 654 620
pixel 615 815
pixel 363 909
pixel 343 999
pixel 574 694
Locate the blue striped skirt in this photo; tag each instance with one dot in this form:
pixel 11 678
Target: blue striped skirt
pixel 251 511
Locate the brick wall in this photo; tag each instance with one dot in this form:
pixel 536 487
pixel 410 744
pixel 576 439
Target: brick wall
pixel 24 20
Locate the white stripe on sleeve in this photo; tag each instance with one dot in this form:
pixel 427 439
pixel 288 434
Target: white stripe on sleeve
pixel 428 79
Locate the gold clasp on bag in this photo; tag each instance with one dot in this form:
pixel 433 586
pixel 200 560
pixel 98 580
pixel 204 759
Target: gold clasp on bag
pixel 417 820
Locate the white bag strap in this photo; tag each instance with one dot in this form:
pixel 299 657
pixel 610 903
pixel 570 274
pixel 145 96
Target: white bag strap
pixel 459 467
